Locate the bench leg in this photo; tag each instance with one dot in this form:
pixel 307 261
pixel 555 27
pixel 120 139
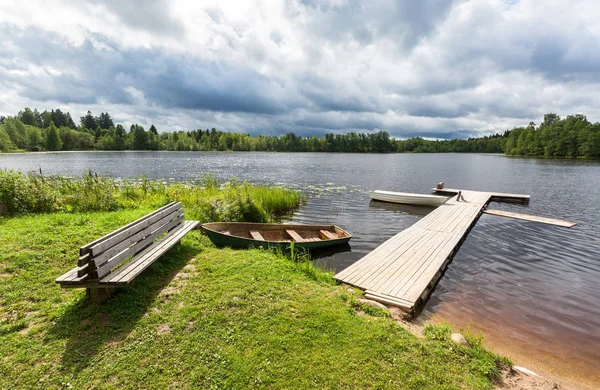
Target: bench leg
pixel 99 295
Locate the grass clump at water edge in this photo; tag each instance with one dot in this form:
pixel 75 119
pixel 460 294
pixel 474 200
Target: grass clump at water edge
pixel 205 201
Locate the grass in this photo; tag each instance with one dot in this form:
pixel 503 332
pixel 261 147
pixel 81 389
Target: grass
pixel 202 317
pixel 206 201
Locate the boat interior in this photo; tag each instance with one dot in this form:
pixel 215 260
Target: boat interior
pixel 282 233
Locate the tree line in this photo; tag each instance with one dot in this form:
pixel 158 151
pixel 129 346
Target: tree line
pixel 571 137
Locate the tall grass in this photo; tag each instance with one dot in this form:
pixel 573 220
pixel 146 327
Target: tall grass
pixel 208 200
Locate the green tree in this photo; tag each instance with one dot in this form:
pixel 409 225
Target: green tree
pixel 120 135
pixel 28 117
pixel 104 121
pixel 5 142
pixel 16 133
pixel 140 139
pixel 88 121
pixel 53 141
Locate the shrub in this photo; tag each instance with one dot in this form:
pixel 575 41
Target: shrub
pixel 25 194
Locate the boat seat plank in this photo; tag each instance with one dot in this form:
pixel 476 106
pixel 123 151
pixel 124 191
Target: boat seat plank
pixel 329 235
pixel 256 235
pixel 295 236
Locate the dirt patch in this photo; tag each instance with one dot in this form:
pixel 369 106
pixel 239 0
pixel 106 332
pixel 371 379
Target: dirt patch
pixel 163 329
pixel 168 292
pixel 513 379
pixel 4 275
pixel 26 329
pixel 400 317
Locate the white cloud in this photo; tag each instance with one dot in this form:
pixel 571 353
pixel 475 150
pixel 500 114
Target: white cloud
pixel 433 67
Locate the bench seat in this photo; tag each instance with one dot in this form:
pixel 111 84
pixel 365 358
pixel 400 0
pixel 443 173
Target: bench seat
pixel 116 259
pixel 130 270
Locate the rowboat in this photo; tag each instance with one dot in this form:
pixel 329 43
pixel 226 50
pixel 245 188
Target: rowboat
pixel 408 198
pixel 272 235
pixel 411 209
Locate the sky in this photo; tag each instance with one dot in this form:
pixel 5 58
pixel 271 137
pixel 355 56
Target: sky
pixel 430 68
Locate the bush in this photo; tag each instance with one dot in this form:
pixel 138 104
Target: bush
pixel 25 194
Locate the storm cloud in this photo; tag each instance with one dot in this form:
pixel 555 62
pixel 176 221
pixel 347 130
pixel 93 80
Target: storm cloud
pixel 435 68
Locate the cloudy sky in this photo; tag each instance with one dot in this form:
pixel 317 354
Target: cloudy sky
pixel 435 68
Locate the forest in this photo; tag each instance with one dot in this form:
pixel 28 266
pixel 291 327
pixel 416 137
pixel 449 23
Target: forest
pixel 54 130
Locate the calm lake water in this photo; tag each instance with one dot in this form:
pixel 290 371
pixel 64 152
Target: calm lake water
pixel 532 290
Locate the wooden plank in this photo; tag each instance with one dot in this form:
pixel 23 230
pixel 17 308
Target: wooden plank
pixel 531 218
pixel 256 235
pixel 104 270
pixel 109 253
pixel 71 278
pixel 295 236
pixel 135 266
pixel 404 305
pixel 84 249
pixel 377 294
pixel 131 229
pixel 495 196
pixel 83 260
pixel 375 263
pixel 329 235
pixel 390 276
pixel 83 270
pixel 69 275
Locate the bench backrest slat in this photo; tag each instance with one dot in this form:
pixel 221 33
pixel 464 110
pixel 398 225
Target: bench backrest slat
pixel 84 249
pixel 103 257
pixel 139 246
pixel 131 230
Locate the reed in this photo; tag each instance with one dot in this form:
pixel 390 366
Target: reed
pixel 207 200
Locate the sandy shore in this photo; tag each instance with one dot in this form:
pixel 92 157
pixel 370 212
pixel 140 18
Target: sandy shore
pixel 519 377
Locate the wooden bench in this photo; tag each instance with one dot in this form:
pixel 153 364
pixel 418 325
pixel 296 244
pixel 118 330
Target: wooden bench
pixel 116 259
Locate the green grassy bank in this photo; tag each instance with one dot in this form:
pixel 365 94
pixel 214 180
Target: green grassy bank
pixel 203 317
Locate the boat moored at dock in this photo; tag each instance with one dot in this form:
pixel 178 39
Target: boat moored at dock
pixel 408 198
pixel 274 235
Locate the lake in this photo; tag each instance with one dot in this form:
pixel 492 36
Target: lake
pixel 530 289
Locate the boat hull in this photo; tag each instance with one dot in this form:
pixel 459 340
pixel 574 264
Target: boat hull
pixel 408 198
pixel 215 232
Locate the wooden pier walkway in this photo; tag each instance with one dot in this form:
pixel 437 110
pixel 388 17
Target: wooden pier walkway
pixel 403 270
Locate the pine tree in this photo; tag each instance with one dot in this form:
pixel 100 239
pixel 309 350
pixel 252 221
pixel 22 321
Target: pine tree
pixel 105 121
pixel 88 121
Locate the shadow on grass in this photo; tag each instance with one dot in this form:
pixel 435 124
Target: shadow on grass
pixel 88 327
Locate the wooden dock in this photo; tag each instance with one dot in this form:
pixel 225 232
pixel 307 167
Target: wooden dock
pixel 403 270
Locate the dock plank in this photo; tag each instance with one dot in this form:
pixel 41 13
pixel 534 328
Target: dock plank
pixel 403 269
pixel 531 218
